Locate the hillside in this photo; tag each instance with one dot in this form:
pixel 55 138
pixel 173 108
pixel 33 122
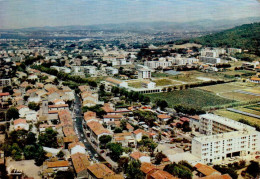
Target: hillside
pixel 245 36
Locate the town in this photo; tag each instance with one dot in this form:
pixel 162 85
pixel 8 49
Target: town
pixel 108 109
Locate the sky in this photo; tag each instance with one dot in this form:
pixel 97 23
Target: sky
pixel 38 13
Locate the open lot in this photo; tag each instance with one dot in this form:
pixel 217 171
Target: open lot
pixel 221 88
pixel 191 97
pixel 135 84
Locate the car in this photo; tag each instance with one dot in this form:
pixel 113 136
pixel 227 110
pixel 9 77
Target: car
pixel 85 140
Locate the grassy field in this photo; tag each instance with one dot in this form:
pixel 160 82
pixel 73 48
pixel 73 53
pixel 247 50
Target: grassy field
pixel 240 97
pixel 165 82
pixel 191 97
pixel 221 88
pixel 236 116
pixel 137 84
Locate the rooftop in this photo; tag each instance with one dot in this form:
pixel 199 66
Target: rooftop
pixel 100 170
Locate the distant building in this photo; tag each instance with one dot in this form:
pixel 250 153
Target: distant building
pixel 148 84
pixel 144 73
pixel 5 82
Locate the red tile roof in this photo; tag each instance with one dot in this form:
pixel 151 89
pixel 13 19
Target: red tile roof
pixel 205 169
pixel 58 164
pixel 19 121
pixel 80 162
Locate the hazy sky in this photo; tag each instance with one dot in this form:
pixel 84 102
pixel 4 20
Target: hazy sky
pixel 37 13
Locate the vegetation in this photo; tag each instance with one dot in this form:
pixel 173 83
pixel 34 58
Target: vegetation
pixel 49 138
pixel 178 170
pixel 116 150
pixel 146 116
pixel 133 170
pixel 21 143
pixel 226 170
pixel 245 36
pixel 192 98
pixel 253 169
pixel 147 144
pixel 34 106
pixel 12 113
pixel 64 76
pixel 97 109
pixel 104 140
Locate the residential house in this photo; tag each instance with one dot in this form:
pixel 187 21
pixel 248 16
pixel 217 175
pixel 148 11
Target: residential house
pixel 142 157
pixel 21 124
pixel 98 171
pixel 138 134
pixel 80 163
pixel 58 165
pixel 205 170
pixel 77 147
pixel 22 109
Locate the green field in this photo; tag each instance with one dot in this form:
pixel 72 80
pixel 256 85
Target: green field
pixel 195 98
pixel 220 88
pixel 165 82
pixel 236 116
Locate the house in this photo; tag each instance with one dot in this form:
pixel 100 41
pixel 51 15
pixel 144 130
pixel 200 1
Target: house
pixel 22 109
pixel 147 167
pixel 31 115
pixel 163 117
pixel 140 156
pixel 108 108
pixel 69 139
pixel 77 147
pixel 125 138
pixel 110 118
pixel 111 71
pixel 160 174
pixel 90 116
pixel 5 96
pixel 58 165
pixel 98 171
pixel 138 134
pixel 21 124
pixel 116 82
pixel 96 131
pixel 58 107
pixel 205 170
pixel 80 163
pixel 255 80
pixel 58 101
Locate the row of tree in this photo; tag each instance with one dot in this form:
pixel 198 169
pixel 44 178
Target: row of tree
pixel 64 76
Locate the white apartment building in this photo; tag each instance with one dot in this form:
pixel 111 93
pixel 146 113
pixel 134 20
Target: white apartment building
pixel 184 61
pixel 144 73
pixel 156 64
pixel 234 50
pixel 5 82
pixel 211 124
pixel 224 138
pixel 218 147
pixel 91 70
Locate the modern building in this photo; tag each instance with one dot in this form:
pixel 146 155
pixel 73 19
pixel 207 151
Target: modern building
pixel 224 138
pixel 144 73
pixel 156 64
pixel 148 84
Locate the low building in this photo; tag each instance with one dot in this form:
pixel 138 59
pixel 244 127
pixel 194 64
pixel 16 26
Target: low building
pixel 116 82
pixel 142 157
pixel 80 163
pixel 98 171
pixel 148 84
pixel 58 165
pixel 20 124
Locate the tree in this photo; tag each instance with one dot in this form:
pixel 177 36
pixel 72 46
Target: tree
pixel 147 100
pixel 118 130
pixel 12 113
pixel 49 138
pixel 105 139
pixel 64 174
pixel 228 170
pixel 31 139
pixel 16 152
pixel 29 152
pixel 133 170
pixel 123 124
pixel 162 104
pixel 60 154
pixel 33 106
pixel 123 163
pixel 158 157
pixel 253 169
pixel 40 156
pixel 178 170
pixel 115 150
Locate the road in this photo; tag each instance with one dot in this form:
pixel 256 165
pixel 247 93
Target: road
pixel 77 118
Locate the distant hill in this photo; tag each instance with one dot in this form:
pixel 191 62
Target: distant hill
pixel 246 36
pixel 205 25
